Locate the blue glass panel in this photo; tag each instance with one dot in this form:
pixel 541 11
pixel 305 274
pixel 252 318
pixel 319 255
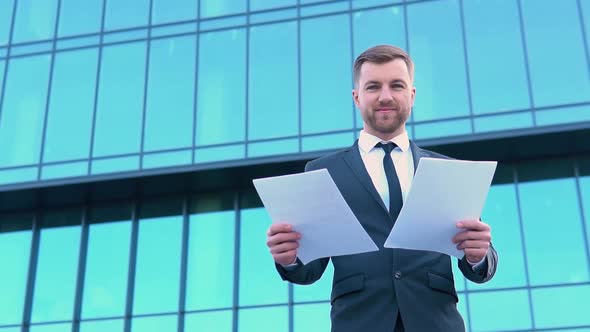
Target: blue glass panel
pixel 35 20
pixel 79 17
pixel 23 110
pixel 273 319
pixel 51 328
pixel 123 36
pixel 2 66
pixel 503 122
pixel 312 317
pixel 318 291
pixel 229 152
pixel 285 146
pixel 221 7
pixel 15 249
pixel 154 324
pixel 158 266
pixel 219 321
pixel 436 46
pixel 6 8
pixel 220 23
pixel 102 326
pixel 32 48
pixel 221 87
pixel 167 159
pixel 338 6
pixel 326 79
pixel 370 3
pixel 257 270
pixel 501 310
pixel 174 29
pixel 305 2
pixel 71 106
pixel 64 170
pixel 120 100
pixel 563 115
pixel 265 4
pixel 11 329
pixel 115 165
pixel 458 276
pixel 326 142
pixel 442 129
pixel 122 14
pixel 501 213
pixel 18 175
pixel 585 196
pixel 491 26
pixel 565 37
pixel 273 98
pixel 164 11
pixel 284 14
pixel 65 44
pixel 55 287
pixel 585 13
pixel 171 60
pixel 107 263
pixel 462 307
pixel 211 261
pixel 561 306
pixel 541 207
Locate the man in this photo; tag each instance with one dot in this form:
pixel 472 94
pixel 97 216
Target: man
pixel 390 289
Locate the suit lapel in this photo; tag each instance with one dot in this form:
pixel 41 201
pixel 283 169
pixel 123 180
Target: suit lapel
pixel 355 162
pixel 416 154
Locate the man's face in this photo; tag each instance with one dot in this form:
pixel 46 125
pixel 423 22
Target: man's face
pixel 385 96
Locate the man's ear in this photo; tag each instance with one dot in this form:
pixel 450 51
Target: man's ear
pixel 355 97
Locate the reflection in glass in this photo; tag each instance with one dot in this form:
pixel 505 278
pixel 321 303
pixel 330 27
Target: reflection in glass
pixel 35 20
pixel 271 319
pixel 71 106
pixel 23 110
pixel 218 321
pixel 14 263
pixel 79 17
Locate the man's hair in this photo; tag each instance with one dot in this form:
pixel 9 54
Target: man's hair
pixel 381 54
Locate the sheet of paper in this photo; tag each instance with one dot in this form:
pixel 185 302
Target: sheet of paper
pixel 312 203
pixel 443 192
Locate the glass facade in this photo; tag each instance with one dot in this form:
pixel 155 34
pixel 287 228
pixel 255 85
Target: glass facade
pixel 129 88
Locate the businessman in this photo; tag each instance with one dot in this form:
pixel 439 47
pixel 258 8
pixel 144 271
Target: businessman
pixel 390 289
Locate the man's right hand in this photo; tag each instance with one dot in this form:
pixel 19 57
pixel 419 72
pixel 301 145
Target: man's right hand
pixel 283 243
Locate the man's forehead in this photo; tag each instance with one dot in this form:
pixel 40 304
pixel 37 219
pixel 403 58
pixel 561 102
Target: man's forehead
pixel 392 70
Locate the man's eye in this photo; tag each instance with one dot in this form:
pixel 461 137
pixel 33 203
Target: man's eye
pixel 397 86
pixel 372 87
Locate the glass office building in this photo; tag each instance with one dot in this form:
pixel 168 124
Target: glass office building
pixel 130 131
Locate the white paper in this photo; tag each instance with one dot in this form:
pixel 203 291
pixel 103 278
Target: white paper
pixel 443 193
pixel 312 203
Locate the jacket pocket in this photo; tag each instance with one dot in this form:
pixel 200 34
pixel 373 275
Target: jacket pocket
pixel 442 284
pixel 350 284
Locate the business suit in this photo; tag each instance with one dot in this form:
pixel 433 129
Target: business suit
pixel 369 289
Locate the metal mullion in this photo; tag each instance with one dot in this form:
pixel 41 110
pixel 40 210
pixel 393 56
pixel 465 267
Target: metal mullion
pixel 467 73
pixel 33 258
pixel 247 76
pixel 583 216
pixel 584 34
pixel 49 86
pixel 351 38
pixel 407 39
pixel 8 48
pixel 196 81
pixel 145 83
pixel 132 265
pixel 183 262
pixel 299 109
pixel 81 270
pixel 237 231
pixel 526 61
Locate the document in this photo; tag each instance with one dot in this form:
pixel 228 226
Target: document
pixel 443 193
pixel 312 203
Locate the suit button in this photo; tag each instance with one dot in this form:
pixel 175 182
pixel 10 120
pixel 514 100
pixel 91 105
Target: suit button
pixel 397 275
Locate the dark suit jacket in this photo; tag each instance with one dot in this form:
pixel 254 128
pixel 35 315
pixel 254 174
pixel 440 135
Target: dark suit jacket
pixel 370 288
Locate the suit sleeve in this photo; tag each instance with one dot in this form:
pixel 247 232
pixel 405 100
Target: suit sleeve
pixel 482 273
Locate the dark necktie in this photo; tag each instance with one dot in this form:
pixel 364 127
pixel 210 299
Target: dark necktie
pixel 395 192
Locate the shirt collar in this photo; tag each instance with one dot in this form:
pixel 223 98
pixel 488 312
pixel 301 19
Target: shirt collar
pixel 367 141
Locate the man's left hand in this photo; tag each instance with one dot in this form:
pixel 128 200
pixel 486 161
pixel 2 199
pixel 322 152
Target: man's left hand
pixel 474 239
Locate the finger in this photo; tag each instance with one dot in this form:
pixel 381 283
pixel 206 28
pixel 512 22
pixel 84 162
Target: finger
pixel 475 255
pixel 282 237
pixel 279 228
pixel 475 225
pixel 284 247
pixel 472 235
pixel 473 244
pixel 285 258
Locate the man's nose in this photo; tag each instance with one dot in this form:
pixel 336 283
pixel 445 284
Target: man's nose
pixel 385 95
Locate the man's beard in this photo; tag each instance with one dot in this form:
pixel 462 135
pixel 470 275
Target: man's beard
pixel 388 125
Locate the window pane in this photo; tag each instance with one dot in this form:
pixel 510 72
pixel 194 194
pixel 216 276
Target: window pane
pixel 210 280
pixel 501 213
pixel 220 153
pixel 561 306
pixel 120 100
pixel 270 148
pixel 107 263
pixel 55 287
pixel 541 207
pixel 79 17
pixel 273 319
pixel 221 7
pixel 18 175
pixel 492 26
pixel 312 317
pixel 35 20
pixel 565 37
pixel 265 4
pixel 51 328
pixel 102 326
pixel 71 106
pixel 326 75
pixel 257 270
pixel 503 122
pixel 436 44
pixel 173 10
pixel 158 266
pixel 122 14
pixel 327 142
pixel 318 291
pixel 165 159
pixel 171 60
pixel 221 92
pixel 64 170
pixel 23 110
pixel 511 311
pixel 14 262
pixel 218 321
pixel 6 8
pixel 154 324
pixel 273 81
pixel 115 165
